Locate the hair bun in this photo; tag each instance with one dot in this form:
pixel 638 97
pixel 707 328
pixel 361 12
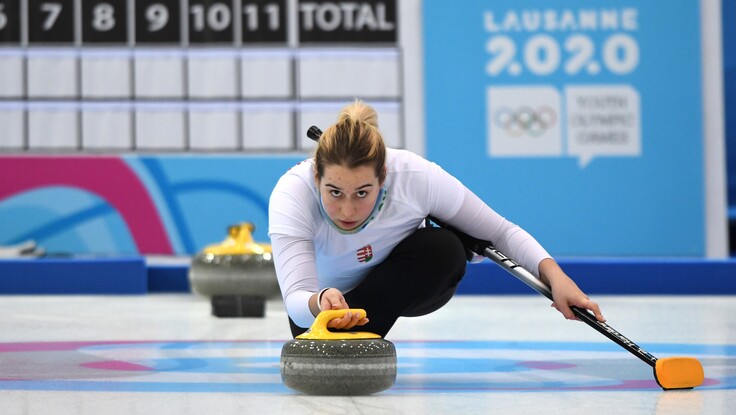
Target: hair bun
pixel 359 111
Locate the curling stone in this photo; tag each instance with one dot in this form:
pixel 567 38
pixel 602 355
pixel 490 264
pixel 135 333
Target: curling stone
pixel 238 306
pixel 22 250
pixel 238 274
pixel 322 362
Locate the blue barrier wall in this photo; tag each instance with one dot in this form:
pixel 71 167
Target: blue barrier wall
pixel 124 275
pixel 595 276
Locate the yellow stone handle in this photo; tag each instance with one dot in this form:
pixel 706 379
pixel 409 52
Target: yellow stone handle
pixel 319 330
pixel 239 241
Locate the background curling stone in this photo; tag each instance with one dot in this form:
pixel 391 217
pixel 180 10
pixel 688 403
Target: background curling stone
pixel 321 362
pixel 24 249
pixel 238 306
pixel 238 266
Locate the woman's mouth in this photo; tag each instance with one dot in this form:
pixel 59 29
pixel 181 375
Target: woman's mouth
pixel 348 225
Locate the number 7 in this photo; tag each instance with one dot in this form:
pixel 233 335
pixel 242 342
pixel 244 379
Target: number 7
pixel 53 10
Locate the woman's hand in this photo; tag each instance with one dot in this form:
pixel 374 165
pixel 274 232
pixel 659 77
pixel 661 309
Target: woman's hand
pixel 332 299
pixel 565 292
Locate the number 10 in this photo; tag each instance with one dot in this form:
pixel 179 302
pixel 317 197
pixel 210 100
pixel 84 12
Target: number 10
pixel 218 17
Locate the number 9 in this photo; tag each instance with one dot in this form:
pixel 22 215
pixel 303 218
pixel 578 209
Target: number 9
pixel 157 15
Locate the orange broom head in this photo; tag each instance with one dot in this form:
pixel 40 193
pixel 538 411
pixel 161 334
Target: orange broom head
pixel 678 373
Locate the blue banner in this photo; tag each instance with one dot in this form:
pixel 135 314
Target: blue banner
pixel 582 122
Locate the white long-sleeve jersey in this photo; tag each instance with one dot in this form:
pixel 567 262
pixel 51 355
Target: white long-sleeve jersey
pixel 310 253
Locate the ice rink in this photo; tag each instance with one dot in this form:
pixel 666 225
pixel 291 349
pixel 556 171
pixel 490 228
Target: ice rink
pixel 166 354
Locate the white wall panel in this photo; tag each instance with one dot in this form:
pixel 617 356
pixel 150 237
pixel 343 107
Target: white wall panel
pixel 212 74
pixel 159 75
pixel 12 76
pixel 213 127
pixel 268 127
pixel 52 74
pixel 360 74
pixel 106 75
pixel 160 127
pixel 53 126
pixel 107 126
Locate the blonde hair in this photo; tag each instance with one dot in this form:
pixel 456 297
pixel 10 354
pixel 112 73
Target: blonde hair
pixel 353 141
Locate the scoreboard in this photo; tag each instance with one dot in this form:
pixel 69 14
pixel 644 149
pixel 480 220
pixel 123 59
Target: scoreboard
pixel 192 75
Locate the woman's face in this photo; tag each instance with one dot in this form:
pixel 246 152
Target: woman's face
pixel 348 195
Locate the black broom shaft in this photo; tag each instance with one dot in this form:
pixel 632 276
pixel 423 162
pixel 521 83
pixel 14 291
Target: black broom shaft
pixel 486 249
pixel 526 277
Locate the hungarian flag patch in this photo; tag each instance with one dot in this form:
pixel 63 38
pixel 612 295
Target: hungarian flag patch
pixel 365 253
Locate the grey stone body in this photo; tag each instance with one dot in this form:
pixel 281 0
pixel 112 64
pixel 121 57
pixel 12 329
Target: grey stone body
pixel 250 274
pixel 338 367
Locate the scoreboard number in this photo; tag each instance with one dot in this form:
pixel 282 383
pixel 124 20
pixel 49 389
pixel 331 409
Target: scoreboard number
pixel 103 17
pixel 52 10
pixel 104 21
pixel 264 21
pixel 9 22
pixel 157 16
pixel 157 21
pixel 50 21
pixel 210 21
pixel 181 22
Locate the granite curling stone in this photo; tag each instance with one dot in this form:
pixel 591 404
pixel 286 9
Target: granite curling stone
pixel 238 270
pixel 322 362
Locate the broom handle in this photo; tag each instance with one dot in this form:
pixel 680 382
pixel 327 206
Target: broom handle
pixel 587 317
pixel 486 249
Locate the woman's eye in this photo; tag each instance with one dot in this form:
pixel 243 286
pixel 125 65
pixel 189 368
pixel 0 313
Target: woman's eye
pixel 335 193
pixel 361 194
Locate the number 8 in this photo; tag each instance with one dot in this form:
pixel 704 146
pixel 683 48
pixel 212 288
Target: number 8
pixel 104 17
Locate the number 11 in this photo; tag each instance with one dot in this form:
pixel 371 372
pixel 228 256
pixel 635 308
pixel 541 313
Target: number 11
pixel 251 16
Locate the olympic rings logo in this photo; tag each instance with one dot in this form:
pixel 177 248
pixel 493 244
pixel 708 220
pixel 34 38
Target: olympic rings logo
pixel 525 120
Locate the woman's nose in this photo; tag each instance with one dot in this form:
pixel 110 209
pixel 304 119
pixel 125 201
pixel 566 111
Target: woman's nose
pixel 347 209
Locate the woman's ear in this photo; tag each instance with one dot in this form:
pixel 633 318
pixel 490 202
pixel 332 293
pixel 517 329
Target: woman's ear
pixel 384 173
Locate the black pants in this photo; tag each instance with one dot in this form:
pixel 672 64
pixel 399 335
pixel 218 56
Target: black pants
pixel 419 276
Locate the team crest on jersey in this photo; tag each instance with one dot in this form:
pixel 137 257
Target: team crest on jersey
pixel 365 253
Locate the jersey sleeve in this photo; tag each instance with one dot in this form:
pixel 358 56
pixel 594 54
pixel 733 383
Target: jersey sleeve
pixel 453 203
pixel 478 220
pixel 291 229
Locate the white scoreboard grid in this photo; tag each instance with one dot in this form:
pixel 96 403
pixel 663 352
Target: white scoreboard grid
pixel 82 76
